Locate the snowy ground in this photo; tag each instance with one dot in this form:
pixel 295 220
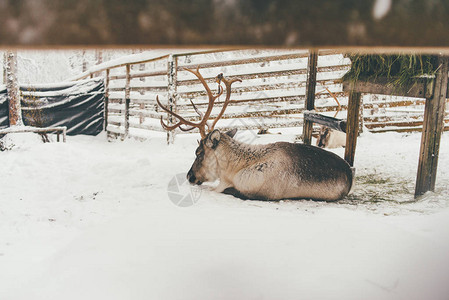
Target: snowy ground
pixel 91 219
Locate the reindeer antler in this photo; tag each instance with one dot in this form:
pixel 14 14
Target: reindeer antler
pixel 227 83
pixel 336 100
pixel 204 117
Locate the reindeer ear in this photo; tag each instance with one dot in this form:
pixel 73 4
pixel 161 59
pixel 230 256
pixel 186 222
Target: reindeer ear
pixel 232 132
pixel 213 139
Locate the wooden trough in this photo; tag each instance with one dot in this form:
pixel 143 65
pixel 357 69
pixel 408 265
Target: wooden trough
pixel 433 89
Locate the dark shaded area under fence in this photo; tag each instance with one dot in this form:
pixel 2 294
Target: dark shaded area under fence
pixel 77 105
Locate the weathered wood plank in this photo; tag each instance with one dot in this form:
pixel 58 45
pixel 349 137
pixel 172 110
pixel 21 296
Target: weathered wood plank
pixel 403 129
pixel 287 85
pixel 432 129
pixel 310 95
pixel 115 123
pixel 352 126
pixel 270 74
pixel 140 89
pixel 234 62
pixel 260 114
pixel 267 58
pixel 172 73
pixel 106 100
pixel 390 123
pixel 244 76
pixel 12 87
pixel 266 100
pixel 334 123
pixel 382 86
pixel 385 104
pixel 23 129
pixel 144 74
pixel 127 100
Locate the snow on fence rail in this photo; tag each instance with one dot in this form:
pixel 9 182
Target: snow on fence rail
pixel 271 95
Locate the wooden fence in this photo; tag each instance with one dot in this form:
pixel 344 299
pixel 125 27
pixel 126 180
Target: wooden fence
pixel 271 95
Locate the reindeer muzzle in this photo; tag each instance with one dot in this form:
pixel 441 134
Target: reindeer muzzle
pixel 192 179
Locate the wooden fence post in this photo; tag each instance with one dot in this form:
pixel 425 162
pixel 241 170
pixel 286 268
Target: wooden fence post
pixel 310 94
pixel 431 133
pixel 352 126
pixel 106 100
pixel 172 67
pixel 5 58
pixel 127 100
pixel 361 120
pixel 12 86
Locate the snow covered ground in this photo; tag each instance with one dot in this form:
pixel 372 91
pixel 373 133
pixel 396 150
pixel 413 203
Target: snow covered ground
pixel 91 219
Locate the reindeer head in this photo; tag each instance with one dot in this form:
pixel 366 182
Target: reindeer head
pixel 207 162
pixel 205 165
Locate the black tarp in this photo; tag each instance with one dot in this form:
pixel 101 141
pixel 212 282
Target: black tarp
pixel 77 105
pixel 4 109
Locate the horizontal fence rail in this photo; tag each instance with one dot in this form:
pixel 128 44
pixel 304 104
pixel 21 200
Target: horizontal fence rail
pixel 271 94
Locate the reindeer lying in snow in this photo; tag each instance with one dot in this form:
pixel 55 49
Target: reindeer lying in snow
pixel 265 172
pixel 329 138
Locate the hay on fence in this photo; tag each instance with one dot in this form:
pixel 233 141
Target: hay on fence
pixel 400 70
